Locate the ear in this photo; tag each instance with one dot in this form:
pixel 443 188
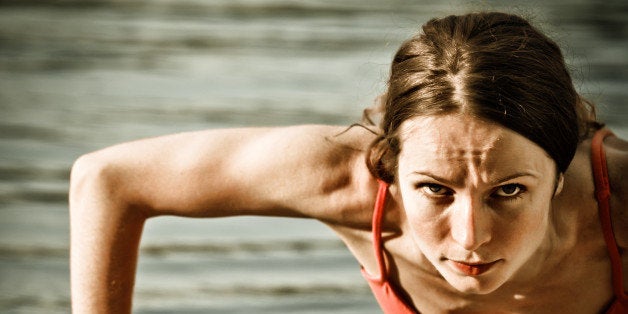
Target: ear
pixel 559 184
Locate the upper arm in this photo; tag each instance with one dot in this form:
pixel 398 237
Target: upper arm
pixel 294 171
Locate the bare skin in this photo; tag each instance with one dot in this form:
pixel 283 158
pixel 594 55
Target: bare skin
pixel 319 173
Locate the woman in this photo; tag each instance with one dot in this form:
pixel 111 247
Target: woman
pixel 486 175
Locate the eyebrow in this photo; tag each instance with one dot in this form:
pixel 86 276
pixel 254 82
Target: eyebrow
pixel 517 175
pixel 433 176
pixel 498 181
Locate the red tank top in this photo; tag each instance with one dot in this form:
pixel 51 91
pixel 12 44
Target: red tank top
pixel 392 303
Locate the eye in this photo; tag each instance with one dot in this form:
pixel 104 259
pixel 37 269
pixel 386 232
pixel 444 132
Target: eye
pixel 509 190
pixel 434 189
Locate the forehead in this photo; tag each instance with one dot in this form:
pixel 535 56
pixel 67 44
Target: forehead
pixel 452 134
pixel 459 138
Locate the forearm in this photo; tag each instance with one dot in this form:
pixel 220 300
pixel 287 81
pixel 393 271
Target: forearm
pixel 105 235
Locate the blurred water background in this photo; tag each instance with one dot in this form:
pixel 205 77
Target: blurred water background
pixel 76 76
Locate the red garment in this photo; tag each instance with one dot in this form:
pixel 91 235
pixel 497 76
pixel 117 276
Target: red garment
pixel 392 303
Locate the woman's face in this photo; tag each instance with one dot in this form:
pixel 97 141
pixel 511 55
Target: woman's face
pixel 477 198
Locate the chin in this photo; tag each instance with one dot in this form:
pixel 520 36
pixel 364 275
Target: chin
pixel 474 285
pixel 474 288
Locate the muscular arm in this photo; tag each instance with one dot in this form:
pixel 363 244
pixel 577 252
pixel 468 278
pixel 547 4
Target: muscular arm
pixel 297 172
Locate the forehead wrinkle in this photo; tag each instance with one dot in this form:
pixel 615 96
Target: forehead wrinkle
pixel 473 154
pixel 460 166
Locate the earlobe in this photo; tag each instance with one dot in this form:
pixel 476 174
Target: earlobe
pixel 559 184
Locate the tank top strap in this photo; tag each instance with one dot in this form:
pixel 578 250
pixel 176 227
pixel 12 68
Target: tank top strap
pixel 603 196
pixel 600 170
pixel 378 214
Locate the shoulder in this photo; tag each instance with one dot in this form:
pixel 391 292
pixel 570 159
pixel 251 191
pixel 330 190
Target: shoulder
pixel 325 171
pixel 617 160
pixel 579 191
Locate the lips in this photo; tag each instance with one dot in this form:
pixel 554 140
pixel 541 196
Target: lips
pixel 472 269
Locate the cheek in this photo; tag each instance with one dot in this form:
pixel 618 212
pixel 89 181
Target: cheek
pixel 428 224
pixel 525 231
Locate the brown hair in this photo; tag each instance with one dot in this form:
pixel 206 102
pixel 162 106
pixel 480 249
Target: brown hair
pixel 495 66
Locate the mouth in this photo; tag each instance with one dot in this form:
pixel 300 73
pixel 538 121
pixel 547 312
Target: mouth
pixel 471 269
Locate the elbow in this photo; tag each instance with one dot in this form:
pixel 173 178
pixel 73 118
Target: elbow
pixel 92 184
pixel 87 181
pixel 81 167
pixel 98 181
pixel 88 171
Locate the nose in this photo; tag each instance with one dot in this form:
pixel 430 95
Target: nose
pixel 470 223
